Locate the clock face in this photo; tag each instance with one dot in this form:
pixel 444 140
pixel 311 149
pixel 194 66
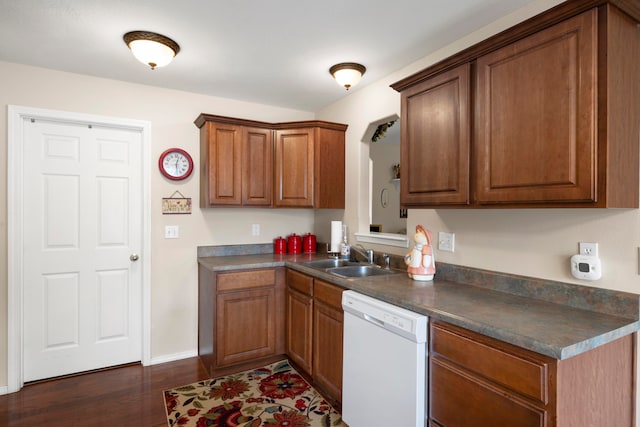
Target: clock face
pixel 176 164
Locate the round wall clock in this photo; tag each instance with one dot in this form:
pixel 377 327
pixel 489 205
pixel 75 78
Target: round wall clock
pixel 175 164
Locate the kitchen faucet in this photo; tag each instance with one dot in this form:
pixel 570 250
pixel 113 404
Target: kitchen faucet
pixel 367 253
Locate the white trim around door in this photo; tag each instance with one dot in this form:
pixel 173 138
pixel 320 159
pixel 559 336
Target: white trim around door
pixel 15 262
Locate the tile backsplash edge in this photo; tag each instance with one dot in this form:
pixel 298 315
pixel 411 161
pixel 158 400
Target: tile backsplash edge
pixel 227 250
pixel 606 301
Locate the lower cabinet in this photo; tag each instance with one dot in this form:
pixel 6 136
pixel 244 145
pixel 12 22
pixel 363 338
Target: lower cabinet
pixel 299 320
pixel 314 327
pixel 241 316
pixel 328 326
pixel 478 381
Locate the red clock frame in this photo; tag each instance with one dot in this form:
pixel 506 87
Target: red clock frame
pixel 169 176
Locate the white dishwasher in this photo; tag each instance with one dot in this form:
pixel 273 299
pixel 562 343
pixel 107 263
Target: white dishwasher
pixel 384 375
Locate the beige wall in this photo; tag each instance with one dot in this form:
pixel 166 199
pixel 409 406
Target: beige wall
pixel 171 113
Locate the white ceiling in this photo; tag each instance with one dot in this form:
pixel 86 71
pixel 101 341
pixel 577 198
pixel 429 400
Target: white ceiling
pixel 274 52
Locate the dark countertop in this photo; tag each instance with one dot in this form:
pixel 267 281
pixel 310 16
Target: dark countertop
pixel 584 319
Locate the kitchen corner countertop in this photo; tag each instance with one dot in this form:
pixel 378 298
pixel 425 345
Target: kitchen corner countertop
pixel 552 318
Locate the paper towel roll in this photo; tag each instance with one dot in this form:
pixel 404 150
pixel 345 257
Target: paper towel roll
pixel 336 236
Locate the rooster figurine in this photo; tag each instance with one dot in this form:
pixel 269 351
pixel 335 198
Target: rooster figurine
pixel 420 263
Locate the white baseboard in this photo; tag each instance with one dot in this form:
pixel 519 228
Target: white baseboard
pixel 153 361
pixel 172 357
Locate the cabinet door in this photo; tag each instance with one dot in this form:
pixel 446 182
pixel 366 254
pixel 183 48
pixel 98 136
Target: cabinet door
pixel 536 117
pixel 435 132
pixel 299 331
pixel 294 168
pixel 328 321
pixel 245 325
pixel 329 169
pixel 257 167
pixel 299 319
pixel 221 164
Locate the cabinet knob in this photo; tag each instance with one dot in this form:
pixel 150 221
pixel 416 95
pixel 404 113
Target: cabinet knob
pixel 134 257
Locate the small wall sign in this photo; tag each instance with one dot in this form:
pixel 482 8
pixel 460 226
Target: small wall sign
pixel 176 205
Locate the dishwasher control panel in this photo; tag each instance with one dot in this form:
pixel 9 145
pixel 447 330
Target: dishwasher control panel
pixel 398 322
pixel 397 319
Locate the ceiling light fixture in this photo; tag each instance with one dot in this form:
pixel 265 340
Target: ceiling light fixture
pixel 152 49
pixel 347 74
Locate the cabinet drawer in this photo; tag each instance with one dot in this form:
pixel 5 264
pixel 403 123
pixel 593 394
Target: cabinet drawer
pixel 329 294
pixel 460 400
pixel 300 282
pixel 519 370
pixel 246 280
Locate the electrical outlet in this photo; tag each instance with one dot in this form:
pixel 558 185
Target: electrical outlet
pixel 255 229
pixel 446 241
pixel 588 249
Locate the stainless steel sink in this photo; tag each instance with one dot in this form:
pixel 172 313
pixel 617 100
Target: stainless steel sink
pixel 330 263
pixel 363 270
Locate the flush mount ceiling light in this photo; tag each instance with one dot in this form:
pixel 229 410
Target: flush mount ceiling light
pixel 347 74
pixel 152 49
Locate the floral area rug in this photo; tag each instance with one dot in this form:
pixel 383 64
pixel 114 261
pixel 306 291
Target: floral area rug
pixel 272 396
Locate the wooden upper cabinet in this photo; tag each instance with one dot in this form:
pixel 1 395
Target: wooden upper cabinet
pixel 235 165
pixel 251 163
pixel 294 168
pixel 329 166
pixel 220 164
pixel 257 167
pixel 436 131
pixel 536 116
pixel 554 117
pixel 310 167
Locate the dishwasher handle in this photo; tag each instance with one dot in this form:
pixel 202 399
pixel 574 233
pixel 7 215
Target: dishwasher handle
pixel 373 320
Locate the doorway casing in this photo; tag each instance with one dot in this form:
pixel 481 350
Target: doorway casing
pixel 15 262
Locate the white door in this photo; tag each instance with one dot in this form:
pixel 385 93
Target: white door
pixel 82 229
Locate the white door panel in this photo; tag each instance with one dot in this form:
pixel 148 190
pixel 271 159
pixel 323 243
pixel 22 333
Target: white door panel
pixel 82 220
pixel 60 314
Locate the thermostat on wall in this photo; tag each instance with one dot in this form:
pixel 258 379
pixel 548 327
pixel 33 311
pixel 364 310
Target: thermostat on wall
pixel 586 267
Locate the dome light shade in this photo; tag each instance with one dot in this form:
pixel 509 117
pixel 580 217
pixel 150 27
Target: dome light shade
pixel 347 74
pixel 152 49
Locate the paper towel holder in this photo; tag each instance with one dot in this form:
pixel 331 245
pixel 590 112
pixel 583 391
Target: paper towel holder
pixel 332 255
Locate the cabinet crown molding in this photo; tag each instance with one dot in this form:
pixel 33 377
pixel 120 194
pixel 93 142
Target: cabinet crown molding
pixel 203 118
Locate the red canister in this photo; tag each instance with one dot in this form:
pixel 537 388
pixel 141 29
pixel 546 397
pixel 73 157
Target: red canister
pixel 279 246
pixel 309 243
pixel 294 245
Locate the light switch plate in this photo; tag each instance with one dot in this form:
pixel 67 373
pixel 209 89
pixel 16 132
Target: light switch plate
pixel 446 241
pixel 171 232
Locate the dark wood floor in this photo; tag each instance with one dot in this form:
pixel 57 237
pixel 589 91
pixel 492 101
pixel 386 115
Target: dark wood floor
pixel 124 396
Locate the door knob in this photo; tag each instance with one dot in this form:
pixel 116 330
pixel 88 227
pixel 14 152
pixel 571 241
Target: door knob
pixel 134 257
